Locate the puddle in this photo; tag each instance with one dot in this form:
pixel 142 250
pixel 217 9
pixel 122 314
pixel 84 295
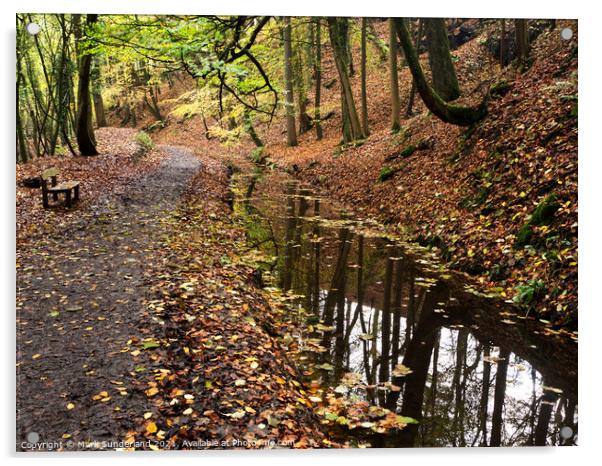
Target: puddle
pixel 481 375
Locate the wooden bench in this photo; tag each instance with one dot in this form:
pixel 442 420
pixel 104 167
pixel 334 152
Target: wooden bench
pixel 70 188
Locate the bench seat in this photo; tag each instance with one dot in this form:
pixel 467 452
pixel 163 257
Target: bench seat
pixel 50 185
pixel 64 186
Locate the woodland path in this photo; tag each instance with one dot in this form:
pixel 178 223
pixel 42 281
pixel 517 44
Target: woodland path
pixel 80 300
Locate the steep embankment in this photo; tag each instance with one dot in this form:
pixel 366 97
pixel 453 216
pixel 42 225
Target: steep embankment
pixel 472 193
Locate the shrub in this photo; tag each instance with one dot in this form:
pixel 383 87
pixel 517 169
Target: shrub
pixel 528 293
pixel 258 155
pixel 144 141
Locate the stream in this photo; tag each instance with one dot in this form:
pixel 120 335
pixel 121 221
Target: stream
pixel 482 373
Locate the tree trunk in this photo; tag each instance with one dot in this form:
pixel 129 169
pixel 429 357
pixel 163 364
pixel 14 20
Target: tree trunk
pixel 250 129
pixel 350 50
pixel 304 119
pixel 521 27
pixel 394 79
pixel 153 104
pixel 22 148
pixel 315 305
pixel 545 414
pixel 291 224
pixel 291 131
pixel 363 73
pixel 83 129
pixel 503 43
pixel 377 42
pixel 397 300
pixel 385 342
pixel 484 396
pixel 99 110
pixel 456 115
pixel 318 78
pixel 445 81
pixel 410 106
pixel 458 387
pixel 498 399
pixel 99 107
pixel 418 358
pixel 352 130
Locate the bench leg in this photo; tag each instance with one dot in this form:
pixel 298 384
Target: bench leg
pixel 45 199
pixel 76 192
pixel 68 198
pixel 55 196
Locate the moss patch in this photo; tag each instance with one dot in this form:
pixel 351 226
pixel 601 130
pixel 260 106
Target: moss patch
pixel 386 173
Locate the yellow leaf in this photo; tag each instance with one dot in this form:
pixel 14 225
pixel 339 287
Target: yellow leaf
pixel 70 406
pixel 151 427
pixel 148 415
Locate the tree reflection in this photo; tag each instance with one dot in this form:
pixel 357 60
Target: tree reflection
pixel 378 311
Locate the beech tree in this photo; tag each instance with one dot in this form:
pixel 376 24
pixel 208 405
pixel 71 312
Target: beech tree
pixel 363 77
pixel 521 27
pixel 445 81
pixel 393 78
pixel 454 114
pixel 338 32
pixel 318 76
pixel 22 147
pixel 99 106
pixel 291 131
pixel 83 129
pixel 410 105
pixel 503 42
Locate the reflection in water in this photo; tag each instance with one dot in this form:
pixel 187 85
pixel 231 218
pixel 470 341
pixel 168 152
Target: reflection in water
pixel 474 380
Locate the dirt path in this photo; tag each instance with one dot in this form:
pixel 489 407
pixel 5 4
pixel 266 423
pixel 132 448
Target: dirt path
pixel 80 304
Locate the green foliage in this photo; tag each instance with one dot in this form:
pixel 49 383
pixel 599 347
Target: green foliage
pixel 500 88
pixel 524 236
pixel 258 155
pixel 528 293
pixel 144 141
pixel 386 173
pixel 544 212
pixel 542 215
pixel 408 151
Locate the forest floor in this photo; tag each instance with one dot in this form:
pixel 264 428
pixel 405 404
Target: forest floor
pixel 116 319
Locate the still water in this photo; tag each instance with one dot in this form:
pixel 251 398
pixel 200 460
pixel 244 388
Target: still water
pixel 482 374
